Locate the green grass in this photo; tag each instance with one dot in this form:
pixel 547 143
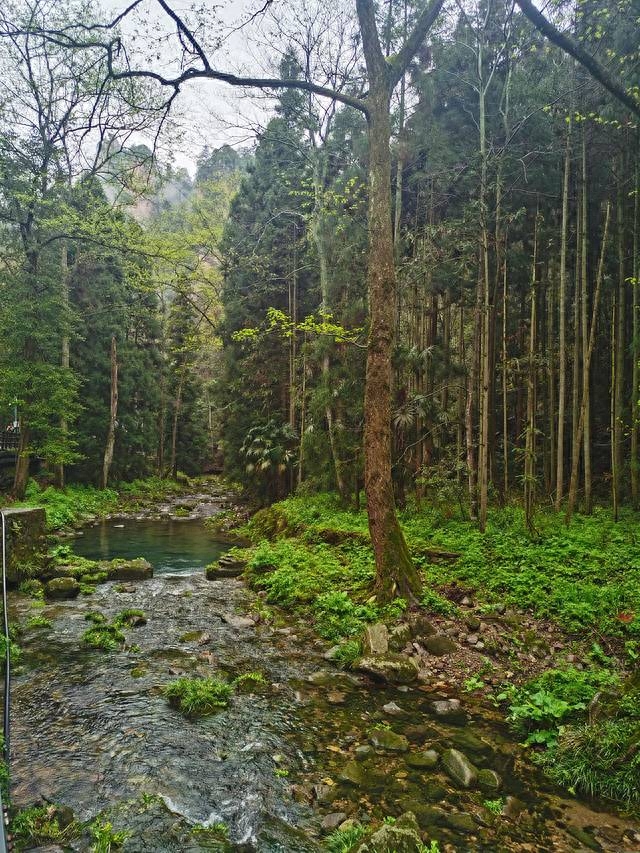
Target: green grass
pixel 584 577
pixel 44 825
pixel 105 838
pixel 198 697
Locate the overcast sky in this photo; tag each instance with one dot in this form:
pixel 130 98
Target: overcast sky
pixel 210 113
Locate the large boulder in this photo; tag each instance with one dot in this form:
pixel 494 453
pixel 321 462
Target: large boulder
pixel 61 588
pixel 438 645
pixel 128 570
pixel 393 668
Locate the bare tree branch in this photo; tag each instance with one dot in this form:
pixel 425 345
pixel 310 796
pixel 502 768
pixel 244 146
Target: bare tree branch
pixel 597 70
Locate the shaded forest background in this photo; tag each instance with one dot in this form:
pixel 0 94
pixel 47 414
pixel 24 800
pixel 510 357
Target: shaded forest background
pixel 228 309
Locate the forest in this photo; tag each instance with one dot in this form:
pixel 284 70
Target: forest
pixel 400 317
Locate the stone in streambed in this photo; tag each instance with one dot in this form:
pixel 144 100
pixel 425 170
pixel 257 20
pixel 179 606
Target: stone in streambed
pixel 433 792
pixel 489 781
pixel 332 821
pixel 393 668
pixel 460 822
pixel 128 570
pixel 61 588
pixel 353 774
pixel 227 566
pixel 427 816
pixel 449 710
pixel 401 837
pixel 376 639
pixel 459 768
pixel 388 740
pixel 466 741
pixel 438 645
pixel 422 760
pixel 399 636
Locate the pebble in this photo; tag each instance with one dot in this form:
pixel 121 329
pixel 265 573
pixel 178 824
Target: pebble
pixel 392 708
pixel 472 639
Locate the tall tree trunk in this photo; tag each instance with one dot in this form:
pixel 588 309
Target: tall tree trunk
pixel 470 408
pixel 113 414
pixel 635 331
pixel 177 408
pixel 395 571
pixel 485 303
pixel 584 301
pixel 577 342
pixel 65 346
pixel 530 436
pixel 582 418
pixel 562 322
pixel 505 396
pixel 618 344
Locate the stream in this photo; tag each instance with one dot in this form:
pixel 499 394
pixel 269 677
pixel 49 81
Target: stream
pixel 92 730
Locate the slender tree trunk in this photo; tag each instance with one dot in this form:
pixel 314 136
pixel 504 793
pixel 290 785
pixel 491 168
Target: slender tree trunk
pixel 23 457
pixel 562 323
pixel 550 461
pixel 472 391
pixel 617 389
pixel 635 330
pixel 113 414
pixel 177 408
pixel 485 302
pixel 65 346
pixel 577 343
pixel 530 436
pixel 505 395
pixel 584 300
pixel 395 572
pixel 582 418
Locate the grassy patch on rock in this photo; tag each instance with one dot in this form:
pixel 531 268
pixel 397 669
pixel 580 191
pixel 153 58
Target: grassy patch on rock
pixel 200 697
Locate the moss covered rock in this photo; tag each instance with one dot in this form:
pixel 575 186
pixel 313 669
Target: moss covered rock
pixel 388 740
pixel 393 668
pixel 61 588
pixel 128 570
pixel 401 837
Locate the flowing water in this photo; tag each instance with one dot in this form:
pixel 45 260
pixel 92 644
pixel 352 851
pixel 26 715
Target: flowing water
pixel 92 730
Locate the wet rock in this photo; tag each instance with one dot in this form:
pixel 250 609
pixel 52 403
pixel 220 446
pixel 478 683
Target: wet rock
pixel 238 621
pixel 422 628
pixel 422 760
pixel 439 645
pixel 489 781
pixel 336 697
pixel 396 669
pixel 433 791
pixel 228 566
pixel 324 793
pixel 354 773
pixel 330 678
pixel 427 816
pixel 459 768
pixel 364 751
pixel 388 740
pixel 128 570
pixel 332 821
pixel 460 822
pixel 61 588
pixel 514 807
pixel 466 741
pixel 585 838
pixel 401 837
pixel 450 711
pixel 393 709
pixel 419 734
pixel 376 639
pixel 399 637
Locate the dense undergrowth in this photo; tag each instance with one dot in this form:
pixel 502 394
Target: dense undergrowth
pixel 313 556
pixel 71 505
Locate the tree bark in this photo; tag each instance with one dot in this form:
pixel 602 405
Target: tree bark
pixel 562 323
pixel 635 328
pixel 573 483
pixel 113 414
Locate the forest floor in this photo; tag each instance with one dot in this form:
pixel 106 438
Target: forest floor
pixel 544 627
